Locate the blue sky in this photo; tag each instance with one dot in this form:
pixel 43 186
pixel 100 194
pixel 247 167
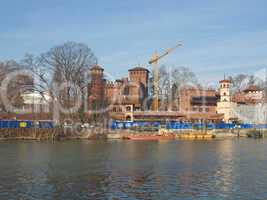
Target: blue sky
pixel 219 37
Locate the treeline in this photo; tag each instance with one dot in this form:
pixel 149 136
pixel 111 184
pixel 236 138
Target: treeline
pixel 61 73
pixel 12 85
pixel 242 81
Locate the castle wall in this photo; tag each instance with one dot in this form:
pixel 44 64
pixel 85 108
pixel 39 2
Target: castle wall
pixel 187 103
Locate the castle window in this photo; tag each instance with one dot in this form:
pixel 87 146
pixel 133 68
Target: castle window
pixel 224 94
pixel 128 108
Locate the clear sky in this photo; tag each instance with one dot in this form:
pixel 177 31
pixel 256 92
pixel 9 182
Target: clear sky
pixel 228 36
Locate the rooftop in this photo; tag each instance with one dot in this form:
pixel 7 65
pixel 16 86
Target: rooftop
pixel 225 81
pixel 97 67
pixel 138 69
pixel 252 88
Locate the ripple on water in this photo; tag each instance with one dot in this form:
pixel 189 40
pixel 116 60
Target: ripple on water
pixel 229 169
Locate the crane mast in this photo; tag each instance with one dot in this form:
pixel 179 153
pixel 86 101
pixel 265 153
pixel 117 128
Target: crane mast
pixel 155 72
pixel 154 62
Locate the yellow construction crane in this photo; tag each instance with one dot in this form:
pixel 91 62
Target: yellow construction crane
pixel 154 62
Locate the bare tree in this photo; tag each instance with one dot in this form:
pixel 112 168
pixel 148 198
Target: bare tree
pixel 242 81
pixel 171 80
pixel 17 84
pixel 63 72
pixel 184 76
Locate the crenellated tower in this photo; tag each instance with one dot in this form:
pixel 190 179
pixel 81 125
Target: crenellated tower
pixel 96 88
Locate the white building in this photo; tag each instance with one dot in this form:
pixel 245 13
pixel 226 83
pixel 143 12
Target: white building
pixel 35 101
pixel 248 108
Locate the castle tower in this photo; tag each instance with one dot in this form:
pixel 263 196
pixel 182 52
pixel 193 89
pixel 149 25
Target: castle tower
pixel 139 75
pixel 96 88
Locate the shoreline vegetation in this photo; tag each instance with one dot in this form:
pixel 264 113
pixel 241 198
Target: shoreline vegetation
pixel 49 134
pixel 59 134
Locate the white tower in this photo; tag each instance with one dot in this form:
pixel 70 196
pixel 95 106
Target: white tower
pixel 225 91
pixel 225 106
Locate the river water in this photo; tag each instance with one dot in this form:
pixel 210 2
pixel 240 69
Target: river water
pixel 218 169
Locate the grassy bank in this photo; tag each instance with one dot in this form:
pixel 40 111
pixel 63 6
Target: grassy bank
pixel 48 134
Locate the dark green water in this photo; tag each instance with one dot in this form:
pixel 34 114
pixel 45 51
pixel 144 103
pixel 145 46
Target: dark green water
pixel 220 169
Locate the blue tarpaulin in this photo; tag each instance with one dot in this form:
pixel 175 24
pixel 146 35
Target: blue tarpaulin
pixel 15 124
pixel 183 125
pixel 25 124
pixel 45 124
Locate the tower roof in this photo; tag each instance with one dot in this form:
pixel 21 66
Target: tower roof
pixel 96 67
pixel 252 88
pixel 225 81
pixel 139 69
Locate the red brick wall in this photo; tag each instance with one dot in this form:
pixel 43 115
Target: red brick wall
pixel 185 97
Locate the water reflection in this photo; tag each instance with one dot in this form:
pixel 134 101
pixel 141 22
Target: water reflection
pixel 224 175
pixel 221 169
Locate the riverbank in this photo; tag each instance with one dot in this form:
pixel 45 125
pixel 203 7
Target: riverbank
pixel 189 134
pixel 50 134
pixel 99 133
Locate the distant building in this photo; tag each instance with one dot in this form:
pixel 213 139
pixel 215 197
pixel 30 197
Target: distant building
pixel 96 88
pixel 138 77
pixel 123 96
pixel 35 101
pixel 246 106
pixel 126 99
pixel 197 100
pixel 132 90
pixel 225 105
pixel 251 95
pixel 253 92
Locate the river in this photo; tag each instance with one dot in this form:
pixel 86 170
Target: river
pixel 217 169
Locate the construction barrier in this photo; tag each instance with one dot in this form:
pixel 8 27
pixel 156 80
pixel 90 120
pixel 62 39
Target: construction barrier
pixel 184 125
pixel 25 124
